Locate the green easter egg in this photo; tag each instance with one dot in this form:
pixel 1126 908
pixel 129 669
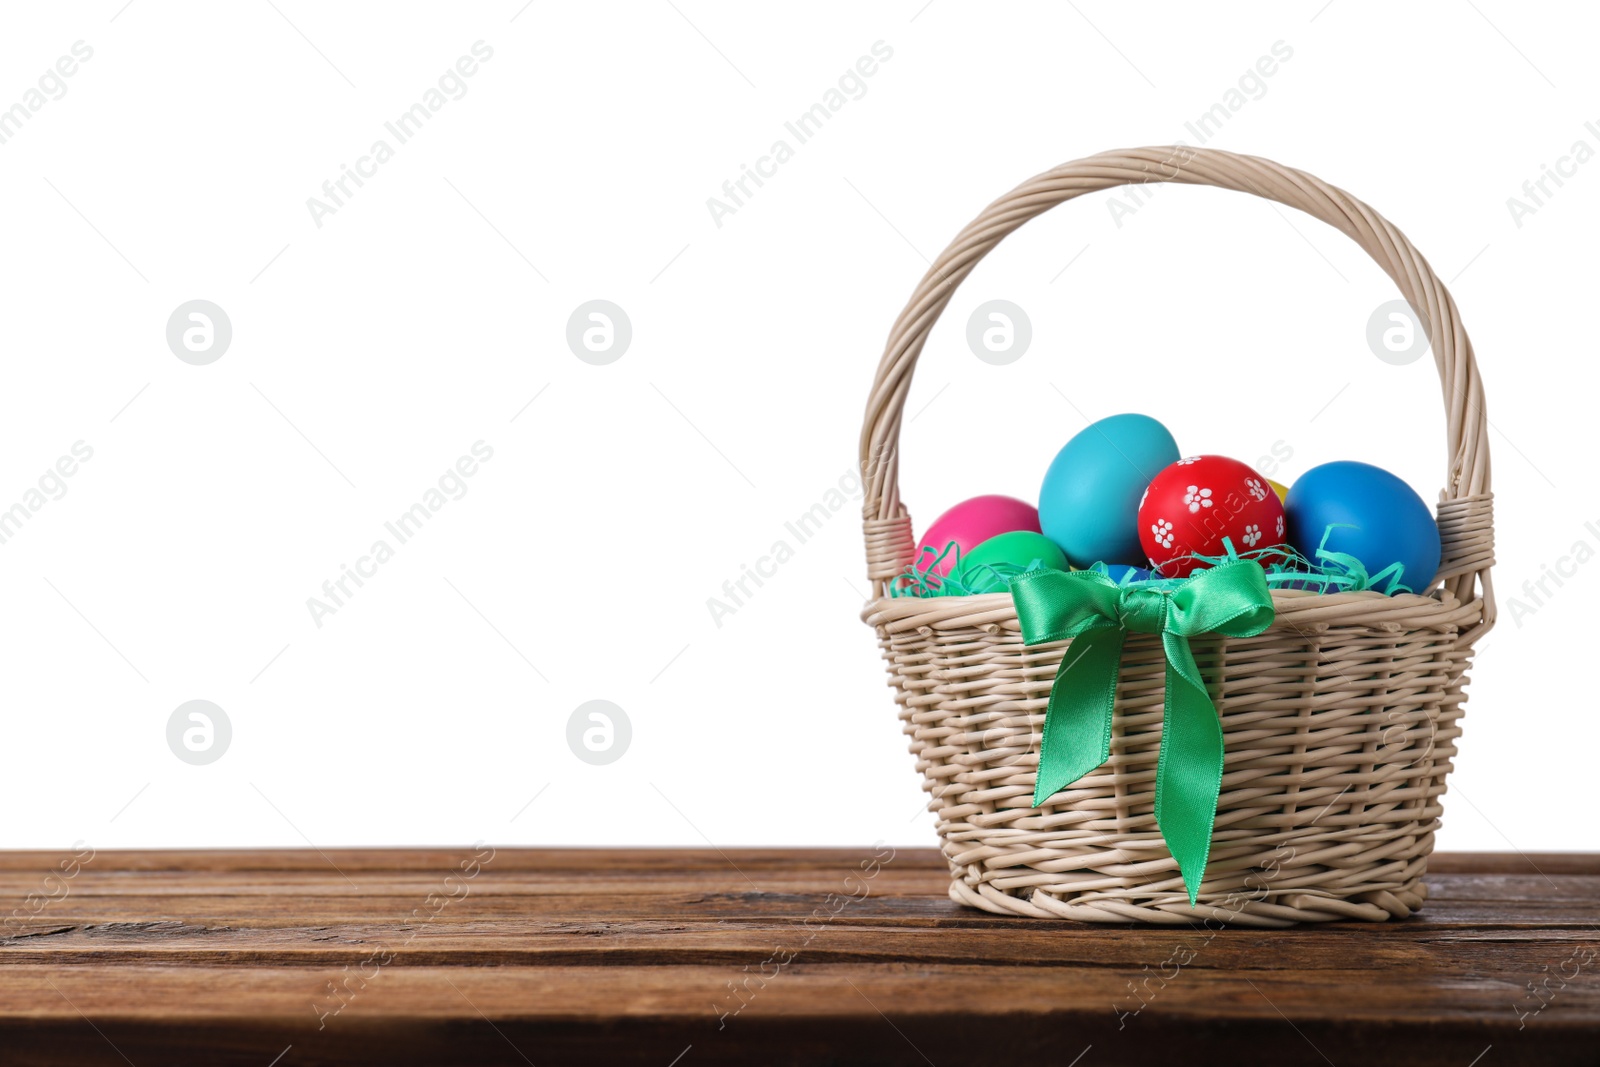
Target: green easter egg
pixel 1018 549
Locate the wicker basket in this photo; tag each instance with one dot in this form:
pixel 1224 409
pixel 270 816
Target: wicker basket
pixel 1340 721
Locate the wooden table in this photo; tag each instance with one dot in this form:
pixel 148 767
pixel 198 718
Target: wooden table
pixel 754 956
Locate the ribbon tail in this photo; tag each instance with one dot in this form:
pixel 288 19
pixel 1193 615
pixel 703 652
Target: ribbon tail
pixel 1077 722
pixel 1189 766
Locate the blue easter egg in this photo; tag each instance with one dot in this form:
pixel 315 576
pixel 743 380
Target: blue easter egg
pixel 1122 573
pixel 1089 502
pixel 1381 520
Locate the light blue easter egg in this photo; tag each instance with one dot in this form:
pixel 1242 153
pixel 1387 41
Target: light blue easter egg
pixel 1089 502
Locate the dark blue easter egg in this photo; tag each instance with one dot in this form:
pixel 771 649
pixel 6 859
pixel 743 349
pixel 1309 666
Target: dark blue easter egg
pixel 1380 520
pixel 1089 502
pixel 1122 573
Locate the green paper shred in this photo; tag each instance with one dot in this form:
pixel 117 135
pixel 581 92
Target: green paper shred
pixel 1286 567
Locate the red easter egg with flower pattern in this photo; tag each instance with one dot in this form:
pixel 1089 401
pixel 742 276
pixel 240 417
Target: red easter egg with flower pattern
pixel 1192 505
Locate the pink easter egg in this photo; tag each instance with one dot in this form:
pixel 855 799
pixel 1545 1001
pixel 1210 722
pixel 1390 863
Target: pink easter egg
pixel 972 522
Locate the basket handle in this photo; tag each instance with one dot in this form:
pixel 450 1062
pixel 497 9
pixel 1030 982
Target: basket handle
pixel 1465 509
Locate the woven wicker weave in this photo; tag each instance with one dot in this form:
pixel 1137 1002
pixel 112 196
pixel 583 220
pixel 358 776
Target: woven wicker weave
pixel 1340 721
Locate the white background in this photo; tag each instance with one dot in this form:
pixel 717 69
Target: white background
pixel 368 354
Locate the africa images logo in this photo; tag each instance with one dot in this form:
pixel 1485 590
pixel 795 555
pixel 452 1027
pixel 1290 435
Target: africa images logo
pixel 403 128
pixel 809 123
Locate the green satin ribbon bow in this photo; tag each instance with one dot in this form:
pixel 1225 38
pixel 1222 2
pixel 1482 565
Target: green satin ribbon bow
pixel 1230 599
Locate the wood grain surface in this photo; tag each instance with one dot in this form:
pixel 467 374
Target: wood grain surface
pixel 692 957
